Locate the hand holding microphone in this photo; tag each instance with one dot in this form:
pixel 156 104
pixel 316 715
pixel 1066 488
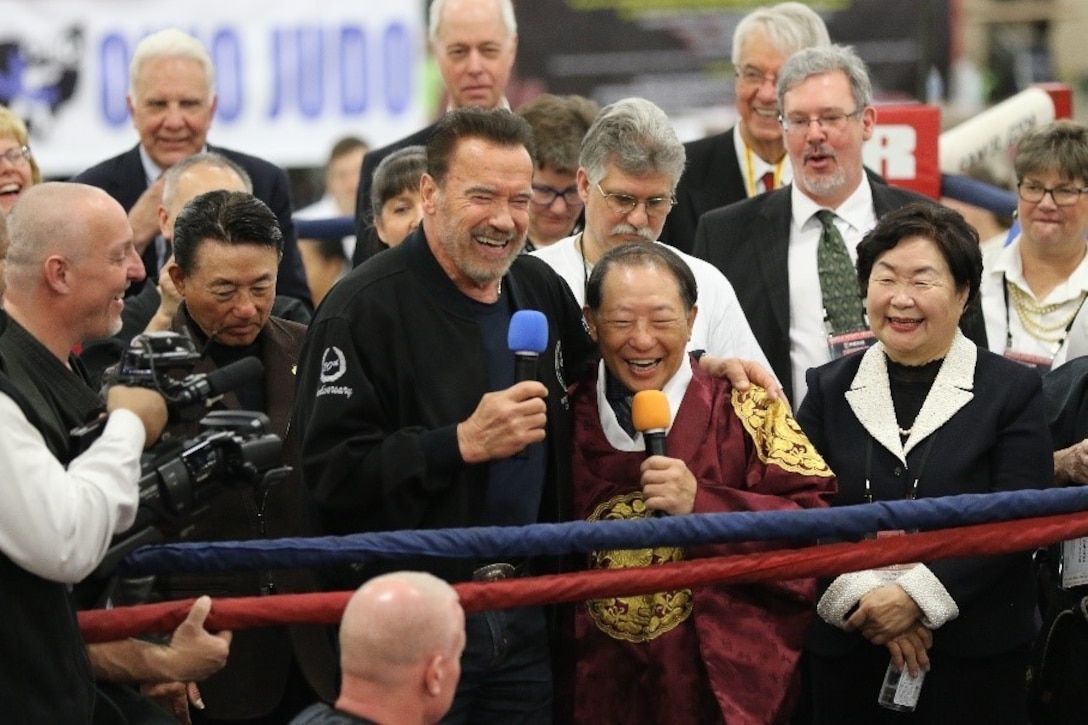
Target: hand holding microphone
pixel 667 483
pixel 507 421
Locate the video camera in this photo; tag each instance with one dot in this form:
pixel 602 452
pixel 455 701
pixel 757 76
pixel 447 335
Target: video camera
pixel 180 476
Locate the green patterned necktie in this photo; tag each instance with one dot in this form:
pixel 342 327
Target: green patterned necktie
pixel 838 278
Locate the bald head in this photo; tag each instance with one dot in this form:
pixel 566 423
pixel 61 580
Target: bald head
pixel 194 176
pixel 398 621
pixel 60 218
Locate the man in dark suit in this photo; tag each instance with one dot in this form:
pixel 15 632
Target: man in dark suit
pixel 172 101
pixel 474 43
pixel 749 158
pixel 767 246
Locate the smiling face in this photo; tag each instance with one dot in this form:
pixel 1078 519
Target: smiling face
pixel 913 304
pixel 1047 226
pixel 826 162
pixel 757 103
pixel 230 290
pixel 477 218
pixel 641 325
pixel 475 53
pixel 103 270
pixel 172 108
pixel 16 176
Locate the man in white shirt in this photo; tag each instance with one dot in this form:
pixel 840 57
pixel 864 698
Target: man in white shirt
pixel 628 170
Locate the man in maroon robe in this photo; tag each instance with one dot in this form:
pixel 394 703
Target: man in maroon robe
pixel 710 654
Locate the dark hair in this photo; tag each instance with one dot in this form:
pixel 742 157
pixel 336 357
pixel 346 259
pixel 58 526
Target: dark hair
pixel 955 238
pixel 559 124
pixel 232 217
pixel 397 172
pixel 636 254
pixel 498 126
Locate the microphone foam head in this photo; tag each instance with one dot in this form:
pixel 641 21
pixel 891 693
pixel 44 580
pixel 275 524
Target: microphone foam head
pixel 528 332
pixel 650 411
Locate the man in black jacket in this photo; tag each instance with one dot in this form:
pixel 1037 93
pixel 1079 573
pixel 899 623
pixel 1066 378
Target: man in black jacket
pixel 407 404
pixel 172 101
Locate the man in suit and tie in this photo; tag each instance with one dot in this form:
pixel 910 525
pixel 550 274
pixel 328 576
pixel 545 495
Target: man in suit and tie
pixel 749 158
pixel 172 101
pixel 474 43
pixel 772 247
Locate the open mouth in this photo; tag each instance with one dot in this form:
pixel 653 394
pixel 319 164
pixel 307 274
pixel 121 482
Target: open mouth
pixel 492 242
pixel 768 113
pixel 10 190
pixel 643 367
pixel 904 323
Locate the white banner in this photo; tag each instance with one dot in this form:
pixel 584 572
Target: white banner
pixel 292 77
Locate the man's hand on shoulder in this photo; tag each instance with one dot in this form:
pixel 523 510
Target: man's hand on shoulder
pixel 742 373
pixel 504 423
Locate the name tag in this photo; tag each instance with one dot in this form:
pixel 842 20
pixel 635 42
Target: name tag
pixel 849 343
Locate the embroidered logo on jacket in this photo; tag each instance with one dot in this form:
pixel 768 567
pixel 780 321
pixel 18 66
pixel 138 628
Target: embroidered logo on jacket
pixel 642 617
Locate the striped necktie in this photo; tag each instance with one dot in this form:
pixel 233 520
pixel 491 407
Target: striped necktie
pixel 838 278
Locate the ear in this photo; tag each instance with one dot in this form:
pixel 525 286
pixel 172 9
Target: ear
pixel 591 322
pixel 58 274
pixel 428 193
pixel 434 675
pixel 214 104
pixel 581 178
pixel 177 277
pixel 166 226
pixel 691 319
pixel 131 107
pixel 868 122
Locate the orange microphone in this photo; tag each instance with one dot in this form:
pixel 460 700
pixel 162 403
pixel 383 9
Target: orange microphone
pixel 651 416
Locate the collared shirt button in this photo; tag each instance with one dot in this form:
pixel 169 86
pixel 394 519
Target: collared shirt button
pixel 898 471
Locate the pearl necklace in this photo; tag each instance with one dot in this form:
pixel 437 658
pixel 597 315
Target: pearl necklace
pixel 1031 314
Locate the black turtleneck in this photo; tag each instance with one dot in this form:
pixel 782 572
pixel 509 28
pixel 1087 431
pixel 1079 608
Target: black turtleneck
pixel 910 384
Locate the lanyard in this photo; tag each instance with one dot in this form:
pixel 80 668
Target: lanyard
pixel 911 493
pixel 750 172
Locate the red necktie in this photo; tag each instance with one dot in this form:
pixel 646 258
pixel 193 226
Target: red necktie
pixel 768 181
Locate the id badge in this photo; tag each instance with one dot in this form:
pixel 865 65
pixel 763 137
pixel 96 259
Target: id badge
pixel 1074 563
pixel 1042 363
pixel 849 343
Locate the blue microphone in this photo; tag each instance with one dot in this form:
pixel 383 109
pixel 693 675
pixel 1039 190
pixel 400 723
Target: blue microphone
pixel 527 338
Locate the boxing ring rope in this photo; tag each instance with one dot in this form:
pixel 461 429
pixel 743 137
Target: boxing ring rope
pixel 981 521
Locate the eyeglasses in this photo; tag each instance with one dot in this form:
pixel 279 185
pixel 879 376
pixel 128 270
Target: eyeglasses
pixel 798 125
pixel 625 203
pixel 15 155
pixel 546 195
pixel 752 76
pixel 1065 195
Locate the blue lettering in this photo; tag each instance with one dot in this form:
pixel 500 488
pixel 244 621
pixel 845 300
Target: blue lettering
pixel 353 71
pixel 397 67
pixel 226 54
pixel 113 59
pixel 311 80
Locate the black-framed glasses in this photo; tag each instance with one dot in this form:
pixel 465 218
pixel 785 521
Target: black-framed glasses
pixel 752 76
pixel 1064 195
pixel 544 195
pixel 17 154
pixel 797 125
pixel 625 203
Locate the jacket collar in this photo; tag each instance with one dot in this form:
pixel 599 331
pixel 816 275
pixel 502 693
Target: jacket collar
pixel 870 396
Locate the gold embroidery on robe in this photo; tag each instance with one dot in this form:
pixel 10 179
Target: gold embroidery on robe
pixel 641 617
pixel 778 439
